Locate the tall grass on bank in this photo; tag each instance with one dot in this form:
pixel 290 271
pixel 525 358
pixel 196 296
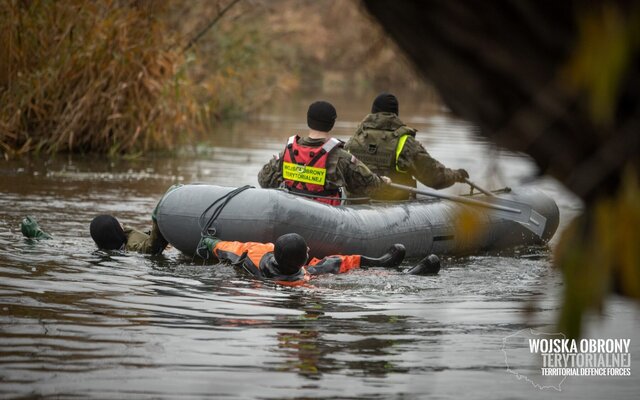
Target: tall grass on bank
pixel 111 76
pixel 88 76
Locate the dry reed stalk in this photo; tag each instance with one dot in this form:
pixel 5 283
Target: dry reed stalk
pixel 88 76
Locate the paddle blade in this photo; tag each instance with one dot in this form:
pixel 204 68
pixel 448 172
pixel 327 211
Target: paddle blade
pixel 520 213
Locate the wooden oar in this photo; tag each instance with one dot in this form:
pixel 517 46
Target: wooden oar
pixel 502 208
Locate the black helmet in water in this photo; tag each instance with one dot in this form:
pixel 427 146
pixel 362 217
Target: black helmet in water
pixel 107 233
pixel 291 253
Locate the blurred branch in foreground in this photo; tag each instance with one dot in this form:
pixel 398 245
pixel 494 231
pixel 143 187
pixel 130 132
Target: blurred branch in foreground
pixel 561 82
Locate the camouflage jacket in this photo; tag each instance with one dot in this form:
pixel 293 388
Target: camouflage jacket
pixel 411 162
pixel 343 171
pixel 141 242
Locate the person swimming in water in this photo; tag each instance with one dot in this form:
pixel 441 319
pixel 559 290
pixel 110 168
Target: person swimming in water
pixel 108 234
pixel 287 260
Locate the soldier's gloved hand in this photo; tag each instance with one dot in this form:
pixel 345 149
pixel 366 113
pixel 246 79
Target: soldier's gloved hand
pixel 386 179
pixel 205 247
pixel 461 175
pixel 30 229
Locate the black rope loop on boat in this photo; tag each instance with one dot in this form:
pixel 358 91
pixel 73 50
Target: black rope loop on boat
pixel 206 224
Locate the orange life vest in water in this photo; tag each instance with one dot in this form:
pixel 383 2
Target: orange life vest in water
pixel 304 170
pixel 258 260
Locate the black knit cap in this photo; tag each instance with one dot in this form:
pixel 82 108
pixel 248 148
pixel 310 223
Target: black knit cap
pixel 107 232
pixel 321 116
pixel 385 102
pixel 290 252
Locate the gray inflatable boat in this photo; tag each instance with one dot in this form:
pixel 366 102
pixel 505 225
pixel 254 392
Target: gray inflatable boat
pixel 422 226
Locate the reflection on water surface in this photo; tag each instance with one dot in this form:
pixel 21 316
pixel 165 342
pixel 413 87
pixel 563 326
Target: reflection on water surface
pixel 79 322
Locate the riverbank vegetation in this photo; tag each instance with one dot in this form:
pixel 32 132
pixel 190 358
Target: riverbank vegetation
pixel 132 76
pixel 88 76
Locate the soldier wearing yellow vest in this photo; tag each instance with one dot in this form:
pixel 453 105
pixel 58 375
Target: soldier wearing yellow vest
pixel 317 165
pixel 388 147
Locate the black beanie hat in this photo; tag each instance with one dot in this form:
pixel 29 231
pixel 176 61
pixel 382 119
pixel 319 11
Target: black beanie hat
pixel 321 116
pixel 385 102
pixel 107 232
pixel 290 252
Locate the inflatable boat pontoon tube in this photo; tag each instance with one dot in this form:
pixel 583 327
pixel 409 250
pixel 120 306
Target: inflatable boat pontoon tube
pixel 422 226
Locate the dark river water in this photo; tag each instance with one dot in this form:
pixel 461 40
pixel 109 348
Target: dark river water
pixel 76 322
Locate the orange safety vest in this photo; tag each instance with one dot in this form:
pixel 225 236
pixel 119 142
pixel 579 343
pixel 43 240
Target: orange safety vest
pixel 333 264
pixel 258 259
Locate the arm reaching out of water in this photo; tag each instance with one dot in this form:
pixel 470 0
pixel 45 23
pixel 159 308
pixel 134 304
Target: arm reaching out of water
pixel 31 230
pixel 139 241
pixel 109 234
pixel 340 264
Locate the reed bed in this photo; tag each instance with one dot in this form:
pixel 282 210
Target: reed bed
pixel 117 76
pixel 88 76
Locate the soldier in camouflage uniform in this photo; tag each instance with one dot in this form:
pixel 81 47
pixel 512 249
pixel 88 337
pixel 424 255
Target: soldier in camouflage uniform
pixel 317 165
pixel 388 147
pixel 109 234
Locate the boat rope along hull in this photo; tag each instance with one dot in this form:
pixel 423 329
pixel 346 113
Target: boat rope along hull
pixel 423 227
